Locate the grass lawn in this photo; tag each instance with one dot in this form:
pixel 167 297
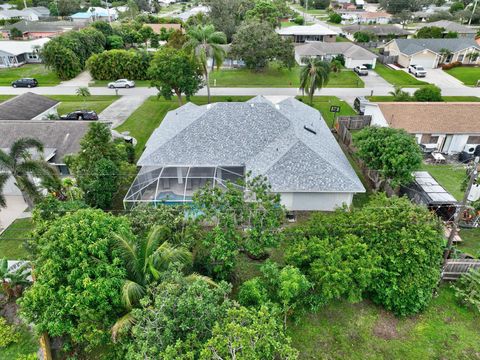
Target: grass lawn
pixel 26 345
pixel 466 74
pixel 310 11
pixel 5 97
pixel 342 330
pixel 449 176
pixel 44 76
pixel 323 103
pixel 278 77
pixel 11 240
pixel 471 241
pixel 445 98
pixel 149 116
pixel 398 77
pixel 71 103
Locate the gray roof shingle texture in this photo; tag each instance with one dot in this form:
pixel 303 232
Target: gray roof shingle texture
pixel 413 46
pixel 63 136
pixel 25 106
pixel 266 138
pixel 349 50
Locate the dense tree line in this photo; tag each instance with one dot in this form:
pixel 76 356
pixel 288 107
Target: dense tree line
pixel 117 64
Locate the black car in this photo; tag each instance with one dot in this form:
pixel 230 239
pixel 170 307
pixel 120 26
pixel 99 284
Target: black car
pixel 25 82
pixel 80 115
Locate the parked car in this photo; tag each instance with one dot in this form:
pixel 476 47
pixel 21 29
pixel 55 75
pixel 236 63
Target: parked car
pixel 121 83
pixel 359 104
pixel 417 70
pixel 80 115
pixel 25 82
pixel 361 70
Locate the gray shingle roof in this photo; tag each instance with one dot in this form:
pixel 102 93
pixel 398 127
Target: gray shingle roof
pixel 39 26
pixel 63 136
pixel 451 26
pixel 25 106
pixel 379 30
pixel 413 46
pixel 266 138
pixel 350 50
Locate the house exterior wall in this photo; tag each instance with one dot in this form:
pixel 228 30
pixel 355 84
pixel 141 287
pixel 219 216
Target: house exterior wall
pixel 351 63
pixel 428 60
pixel 53 111
pixel 298 201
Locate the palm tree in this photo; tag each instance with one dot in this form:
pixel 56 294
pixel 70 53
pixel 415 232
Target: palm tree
pixel 145 260
pixel 445 53
pixel 204 42
pixel 13 282
pixel 83 92
pixel 314 75
pixel 3 180
pixel 19 163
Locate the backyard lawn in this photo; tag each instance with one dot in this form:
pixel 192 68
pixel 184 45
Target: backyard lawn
pixel 44 76
pixel 398 77
pixel 149 116
pixel 445 98
pixel 277 77
pixel 342 330
pixel 470 241
pixel 449 176
pixel 26 345
pixel 12 239
pixel 466 74
pixel 323 103
pixel 71 103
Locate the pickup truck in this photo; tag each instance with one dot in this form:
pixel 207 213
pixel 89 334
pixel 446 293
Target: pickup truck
pixel 417 70
pixel 361 70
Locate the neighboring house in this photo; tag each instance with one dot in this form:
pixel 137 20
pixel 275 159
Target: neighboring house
pixel 157 28
pixel 59 137
pixel 369 17
pixel 95 14
pixel 300 34
pixel 354 54
pixel 451 26
pixel 32 13
pixel 39 29
pixel 444 127
pixel 428 52
pixel 383 33
pixel 28 106
pixel 17 53
pixel 286 141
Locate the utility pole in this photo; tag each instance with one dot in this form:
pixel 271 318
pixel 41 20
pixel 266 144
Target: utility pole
pixel 473 12
pixel 108 11
pixel 459 212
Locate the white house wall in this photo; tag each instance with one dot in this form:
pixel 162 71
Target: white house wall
pixel 351 63
pixel 457 145
pixel 53 111
pixel 315 201
pixel 428 60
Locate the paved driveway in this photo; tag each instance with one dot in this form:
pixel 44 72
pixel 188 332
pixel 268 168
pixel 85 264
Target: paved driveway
pixel 441 79
pixel 15 207
pixel 120 110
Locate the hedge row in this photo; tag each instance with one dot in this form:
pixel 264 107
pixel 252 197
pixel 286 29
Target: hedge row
pixel 118 64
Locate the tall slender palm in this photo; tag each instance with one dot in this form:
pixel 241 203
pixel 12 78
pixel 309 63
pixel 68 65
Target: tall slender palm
pixel 204 42
pixel 20 163
pixel 145 260
pixel 84 93
pixel 314 75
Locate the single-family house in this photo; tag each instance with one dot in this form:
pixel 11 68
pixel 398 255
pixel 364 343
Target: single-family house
pixel 374 17
pixel 157 28
pixel 28 106
pixel 316 32
pixel 283 139
pixel 383 33
pixel 452 26
pixel 354 55
pixel 95 14
pixel 444 127
pixel 429 53
pixel 39 29
pixel 32 13
pixel 16 53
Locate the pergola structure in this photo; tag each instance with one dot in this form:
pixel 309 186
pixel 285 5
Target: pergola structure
pixel 177 184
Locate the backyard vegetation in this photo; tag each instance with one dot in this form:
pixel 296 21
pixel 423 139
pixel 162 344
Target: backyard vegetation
pixel 466 74
pixel 44 76
pixel 398 77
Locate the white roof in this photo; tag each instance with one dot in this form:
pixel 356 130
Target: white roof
pixel 315 29
pixel 21 47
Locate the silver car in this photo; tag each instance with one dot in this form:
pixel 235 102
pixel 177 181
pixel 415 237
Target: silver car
pixel 121 83
pixel 361 70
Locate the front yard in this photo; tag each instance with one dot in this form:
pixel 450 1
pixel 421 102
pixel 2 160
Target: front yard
pixel 13 238
pixel 70 103
pixel 278 77
pixel 397 77
pixel 466 74
pixel 44 76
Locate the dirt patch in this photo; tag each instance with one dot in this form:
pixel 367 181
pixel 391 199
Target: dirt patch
pixel 386 326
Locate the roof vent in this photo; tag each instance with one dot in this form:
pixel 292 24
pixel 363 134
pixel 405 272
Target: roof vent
pixel 309 129
pixel 209 106
pixel 252 104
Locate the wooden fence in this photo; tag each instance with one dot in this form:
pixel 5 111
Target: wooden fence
pixel 456 267
pixel 386 59
pixel 346 123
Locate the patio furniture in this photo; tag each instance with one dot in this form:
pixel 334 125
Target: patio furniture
pixel 439 158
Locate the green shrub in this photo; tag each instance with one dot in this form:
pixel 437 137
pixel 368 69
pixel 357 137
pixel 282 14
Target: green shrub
pixel 299 20
pixel 335 18
pixel 467 289
pixel 118 64
pixel 8 335
pixel 428 93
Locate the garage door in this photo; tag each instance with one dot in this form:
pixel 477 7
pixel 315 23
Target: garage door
pixel 425 60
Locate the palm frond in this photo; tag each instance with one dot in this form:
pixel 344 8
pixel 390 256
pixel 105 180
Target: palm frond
pixel 6 162
pixel 128 252
pixel 3 180
pixel 132 292
pixel 19 148
pixel 122 325
pixel 195 277
pixel 167 254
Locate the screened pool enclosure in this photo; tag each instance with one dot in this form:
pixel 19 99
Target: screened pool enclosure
pixel 176 185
